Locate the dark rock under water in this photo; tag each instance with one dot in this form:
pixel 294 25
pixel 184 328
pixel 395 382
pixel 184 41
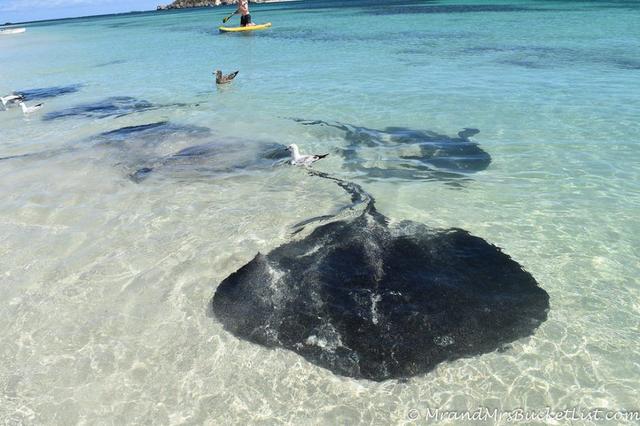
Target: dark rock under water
pixel 410 154
pixel 368 300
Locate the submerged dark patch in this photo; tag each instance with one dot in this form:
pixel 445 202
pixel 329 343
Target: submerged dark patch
pixel 309 34
pixel 543 57
pixel 404 153
pixel 387 38
pixel 523 63
pixel 631 5
pixel 368 300
pixel 626 64
pixel 127 24
pixel 454 8
pixel 48 92
pixel 106 64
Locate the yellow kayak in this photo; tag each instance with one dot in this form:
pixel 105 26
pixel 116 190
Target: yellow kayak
pixel 242 29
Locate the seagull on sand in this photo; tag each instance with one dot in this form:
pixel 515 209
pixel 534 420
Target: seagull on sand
pixel 29 109
pixel 302 160
pixel 223 79
pixel 10 99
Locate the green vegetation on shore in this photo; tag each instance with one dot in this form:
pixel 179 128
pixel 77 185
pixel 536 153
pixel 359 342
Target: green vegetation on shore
pixel 184 4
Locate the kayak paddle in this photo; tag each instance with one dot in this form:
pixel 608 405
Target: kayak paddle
pixel 224 21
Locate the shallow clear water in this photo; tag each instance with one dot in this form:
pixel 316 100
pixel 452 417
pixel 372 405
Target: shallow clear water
pixel 106 283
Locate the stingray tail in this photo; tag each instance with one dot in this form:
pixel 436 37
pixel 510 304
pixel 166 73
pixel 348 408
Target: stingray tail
pixel 358 195
pixel 306 122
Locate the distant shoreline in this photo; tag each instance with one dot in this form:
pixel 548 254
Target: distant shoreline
pixel 195 4
pixel 132 12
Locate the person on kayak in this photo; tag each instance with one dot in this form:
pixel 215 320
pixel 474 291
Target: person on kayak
pixel 245 17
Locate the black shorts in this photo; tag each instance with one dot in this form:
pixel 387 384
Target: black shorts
pixel 245 20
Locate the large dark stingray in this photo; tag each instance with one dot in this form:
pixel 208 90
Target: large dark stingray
pixel 115 106
pixel 215 158
pixel 404 153
pixel 133 143
pixel 368 300
pixel 48 92
pixel 150 134
pixel 179 150
pixel 212 156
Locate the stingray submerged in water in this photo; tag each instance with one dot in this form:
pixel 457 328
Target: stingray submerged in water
pixel 128 144
pixel 115 106
pixel 48 92
pixel 149 136
pixel 181 151
pixel 404 153
pixel 365 299
pixel 215 158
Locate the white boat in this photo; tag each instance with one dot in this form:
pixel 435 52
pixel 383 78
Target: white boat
pixel 12 30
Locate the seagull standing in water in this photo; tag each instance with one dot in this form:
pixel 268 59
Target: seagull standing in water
pixel 26 110
pixel 302 160
pixel 10 99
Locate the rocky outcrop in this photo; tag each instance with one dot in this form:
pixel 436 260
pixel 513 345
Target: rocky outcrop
pixel 184 4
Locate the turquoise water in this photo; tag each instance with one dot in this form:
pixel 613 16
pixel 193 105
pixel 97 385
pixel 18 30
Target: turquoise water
pixel 106 282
